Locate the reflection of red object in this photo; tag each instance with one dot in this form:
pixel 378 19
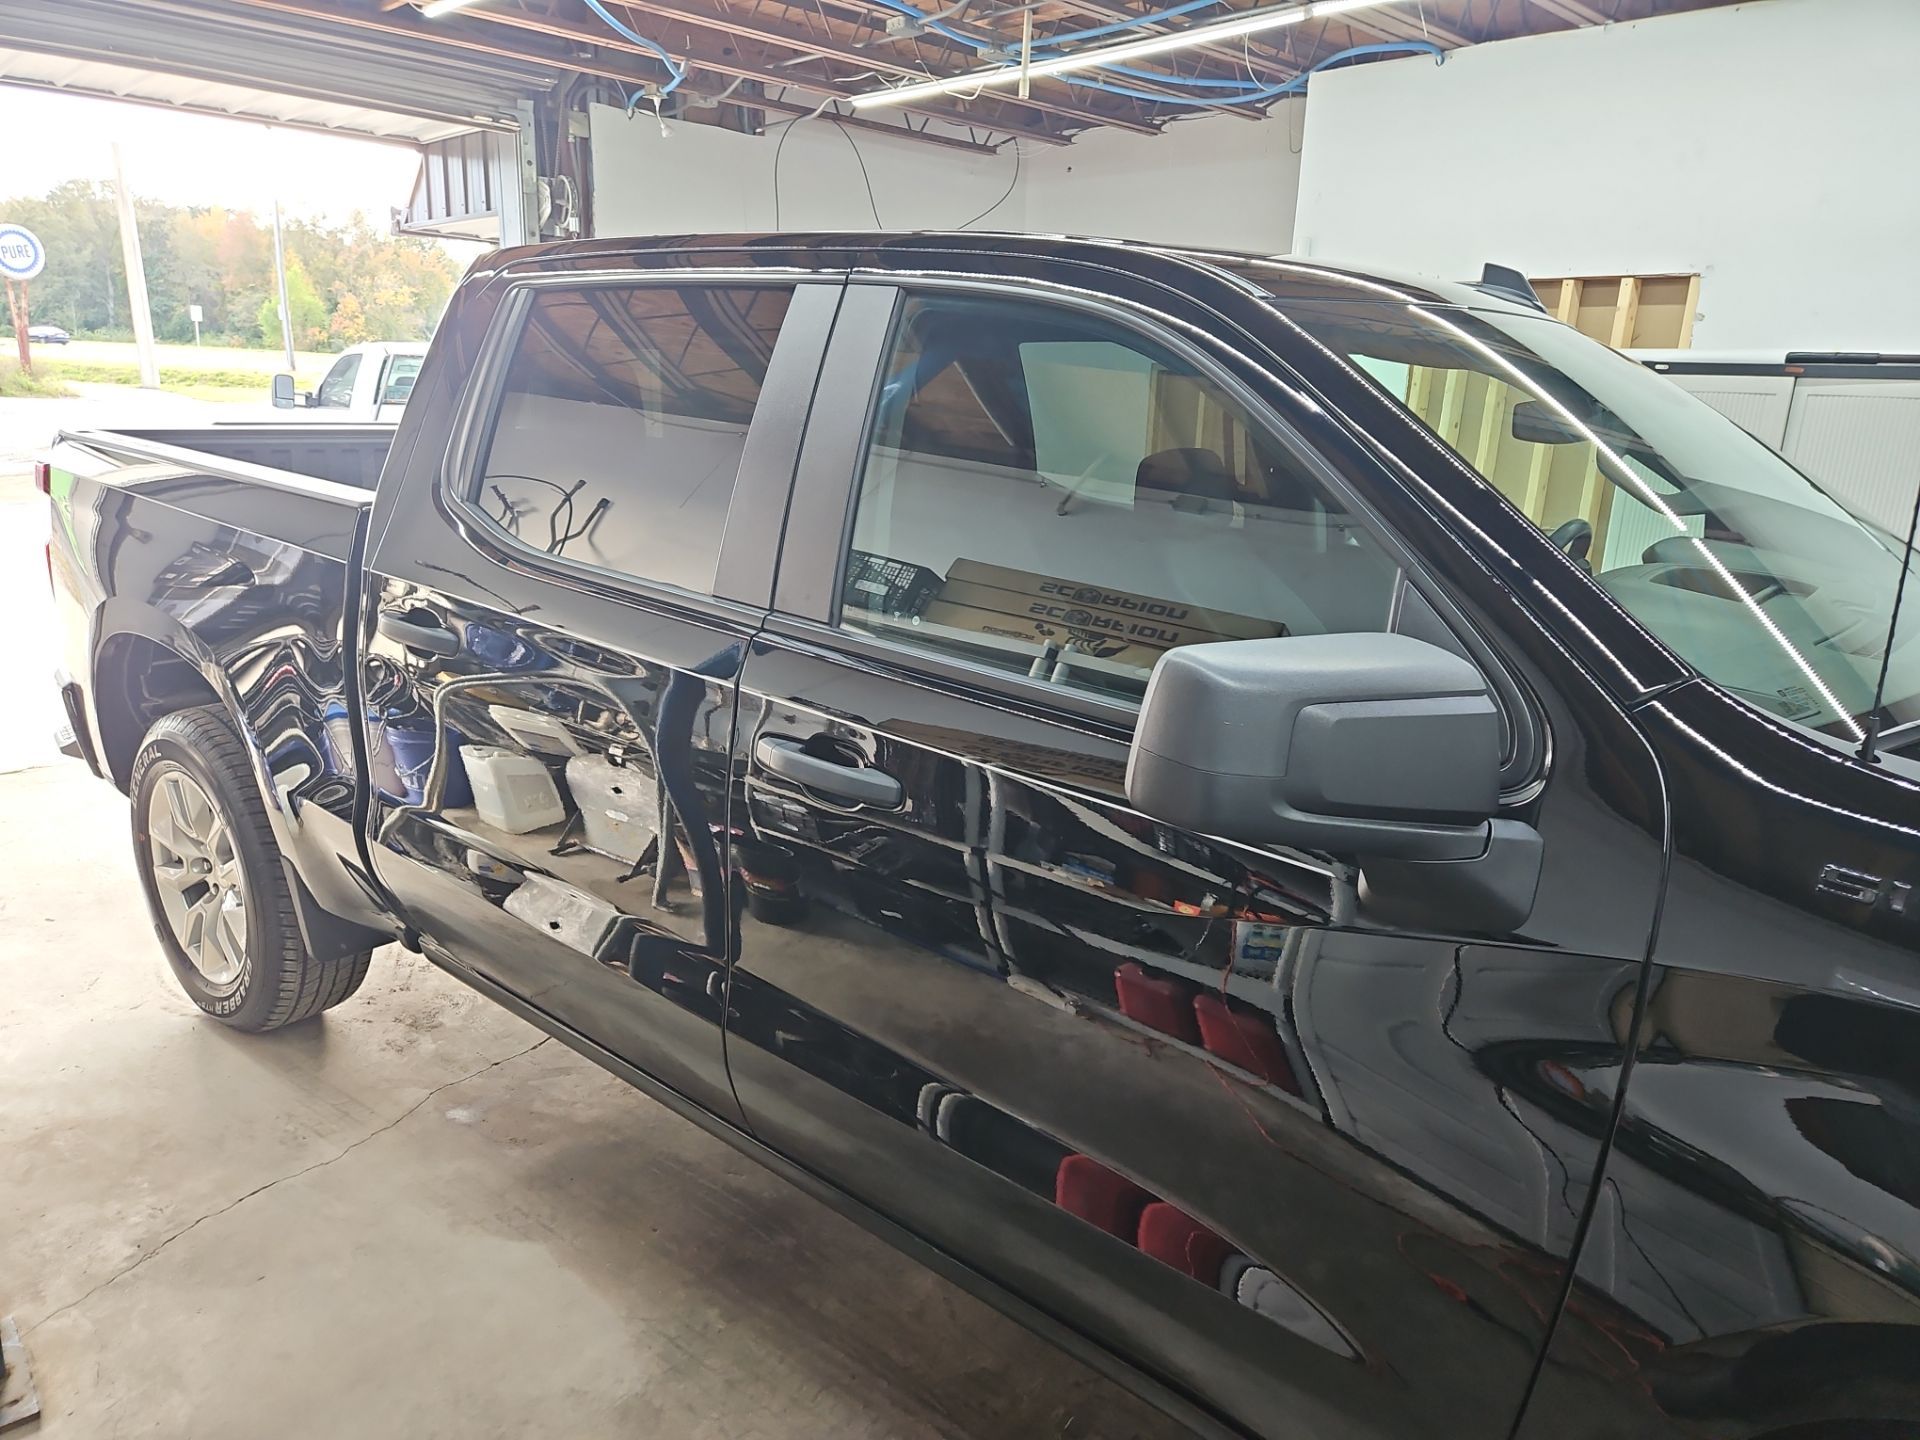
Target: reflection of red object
pixel 1563 1080
pixel 1175 1238
pixel 1244 1038
pixel 1157 1001
pixel 1085 1187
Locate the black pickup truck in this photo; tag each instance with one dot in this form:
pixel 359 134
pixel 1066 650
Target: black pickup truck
pixel 1327 842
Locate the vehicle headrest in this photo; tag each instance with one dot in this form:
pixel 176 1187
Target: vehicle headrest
pixel 1190 470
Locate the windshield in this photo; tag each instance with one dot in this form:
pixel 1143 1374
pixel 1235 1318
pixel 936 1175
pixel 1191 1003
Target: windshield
pixel 1739 563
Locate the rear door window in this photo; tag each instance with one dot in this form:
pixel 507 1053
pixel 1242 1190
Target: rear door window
pixel 397 386
pixel 620 427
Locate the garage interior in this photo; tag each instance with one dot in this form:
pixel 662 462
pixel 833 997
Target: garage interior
pixel 415 1216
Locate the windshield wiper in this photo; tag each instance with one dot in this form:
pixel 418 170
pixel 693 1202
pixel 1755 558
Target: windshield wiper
pixel 1875 714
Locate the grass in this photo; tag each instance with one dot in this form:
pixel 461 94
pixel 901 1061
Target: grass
pixel 16 384
pixel 106 372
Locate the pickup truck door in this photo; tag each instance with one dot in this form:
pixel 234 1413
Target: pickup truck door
pixel 395 384
pixel 1318 1175
pixel 553 632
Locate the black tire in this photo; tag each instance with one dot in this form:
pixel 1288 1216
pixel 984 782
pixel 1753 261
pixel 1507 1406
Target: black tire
pixel 278 982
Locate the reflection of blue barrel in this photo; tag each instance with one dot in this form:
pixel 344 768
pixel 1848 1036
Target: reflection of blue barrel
pixel 403 759
pixel 502 649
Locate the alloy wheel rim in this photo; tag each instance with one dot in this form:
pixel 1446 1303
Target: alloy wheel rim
pixel 198 875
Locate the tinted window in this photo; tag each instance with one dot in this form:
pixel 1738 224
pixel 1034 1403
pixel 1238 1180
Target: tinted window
pixel 1056 495
pixel 402 371
pixel 1713 542
pixel 622 422
pixel 337 389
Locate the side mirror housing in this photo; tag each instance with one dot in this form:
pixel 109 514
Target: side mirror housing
pixel 1379 750
pixel 1353 745
pixel 285 397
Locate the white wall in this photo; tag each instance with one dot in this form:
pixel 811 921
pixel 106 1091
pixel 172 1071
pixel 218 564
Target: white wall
pixel 702 179
pixel 1211 181
pixel 1772 146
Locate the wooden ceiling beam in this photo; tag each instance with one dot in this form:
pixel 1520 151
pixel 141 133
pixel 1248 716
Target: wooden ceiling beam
pixel 608 69
pixel 1573 11
pixel 874 57
pixel 769 75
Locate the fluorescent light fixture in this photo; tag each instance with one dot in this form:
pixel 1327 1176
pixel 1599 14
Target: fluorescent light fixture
pixel 1250 23
pixel 443 7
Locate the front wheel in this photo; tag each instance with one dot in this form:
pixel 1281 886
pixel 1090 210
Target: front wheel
pixel 211 871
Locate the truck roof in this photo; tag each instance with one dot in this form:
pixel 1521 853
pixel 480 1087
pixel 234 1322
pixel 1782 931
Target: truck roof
pixel 1327 279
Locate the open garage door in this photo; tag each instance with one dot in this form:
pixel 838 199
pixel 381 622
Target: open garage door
pixel 258 62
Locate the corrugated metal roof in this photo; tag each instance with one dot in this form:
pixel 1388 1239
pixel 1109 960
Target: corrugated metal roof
pixel 210 97
pixel 238 60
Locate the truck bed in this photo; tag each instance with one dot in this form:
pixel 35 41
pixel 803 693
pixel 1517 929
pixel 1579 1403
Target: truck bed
pixel 348 455
pixel 216 565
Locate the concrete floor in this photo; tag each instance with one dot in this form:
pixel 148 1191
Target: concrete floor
pixel 412 1217
pixel 415 1218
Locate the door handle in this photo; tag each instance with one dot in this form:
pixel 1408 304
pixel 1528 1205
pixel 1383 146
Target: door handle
pixel 433 639
pixel 856 783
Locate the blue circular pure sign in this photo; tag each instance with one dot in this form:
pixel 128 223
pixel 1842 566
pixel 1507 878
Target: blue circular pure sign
pixel 22 256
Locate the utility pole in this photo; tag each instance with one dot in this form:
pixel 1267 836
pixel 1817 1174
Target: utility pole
pixel 280 274
pixel 136 278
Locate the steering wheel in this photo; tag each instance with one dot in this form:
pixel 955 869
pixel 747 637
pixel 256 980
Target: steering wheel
pixel 1575 537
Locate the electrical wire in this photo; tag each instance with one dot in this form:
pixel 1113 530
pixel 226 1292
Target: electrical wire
pixel 1004 194
pixel 1268 92
pixel 789 126
pixel 1132 22
pixel 1231 91
pixel 676 72
pixel 861 160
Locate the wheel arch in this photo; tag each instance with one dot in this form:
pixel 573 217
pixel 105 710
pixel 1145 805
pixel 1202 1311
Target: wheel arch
pixel 137 679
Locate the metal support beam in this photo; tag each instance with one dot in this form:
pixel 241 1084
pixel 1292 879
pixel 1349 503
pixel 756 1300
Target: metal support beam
pixel 405 23
pixel 726 64
pixel 1573 11
pixel 874 57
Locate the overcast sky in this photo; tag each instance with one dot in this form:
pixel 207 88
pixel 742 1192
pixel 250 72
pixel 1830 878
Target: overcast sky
pixel 188 159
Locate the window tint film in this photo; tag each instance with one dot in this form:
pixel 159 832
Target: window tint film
pixel 622 422
pixel 1052 494
pixel 336 391
pixel 1743 566
pixel 402 371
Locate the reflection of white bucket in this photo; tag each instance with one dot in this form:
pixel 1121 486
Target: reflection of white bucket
pixel 512 792
pixel 618 808
pixel 338 728
pixel 562 913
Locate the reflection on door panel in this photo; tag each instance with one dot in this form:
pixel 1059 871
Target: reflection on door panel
pixel 575 798
pixel 1352 1159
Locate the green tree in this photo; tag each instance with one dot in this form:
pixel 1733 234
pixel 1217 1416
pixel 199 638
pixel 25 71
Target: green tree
pixel 349 324
pixel 346 283
pixel 309 312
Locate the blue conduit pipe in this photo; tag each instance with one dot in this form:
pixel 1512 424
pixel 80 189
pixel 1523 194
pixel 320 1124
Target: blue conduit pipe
pixel 676 72
pixel 1132 23
pixel 1232 92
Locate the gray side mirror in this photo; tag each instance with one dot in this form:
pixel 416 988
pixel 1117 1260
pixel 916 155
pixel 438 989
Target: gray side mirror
pixel 1380 750
pixel 285 397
